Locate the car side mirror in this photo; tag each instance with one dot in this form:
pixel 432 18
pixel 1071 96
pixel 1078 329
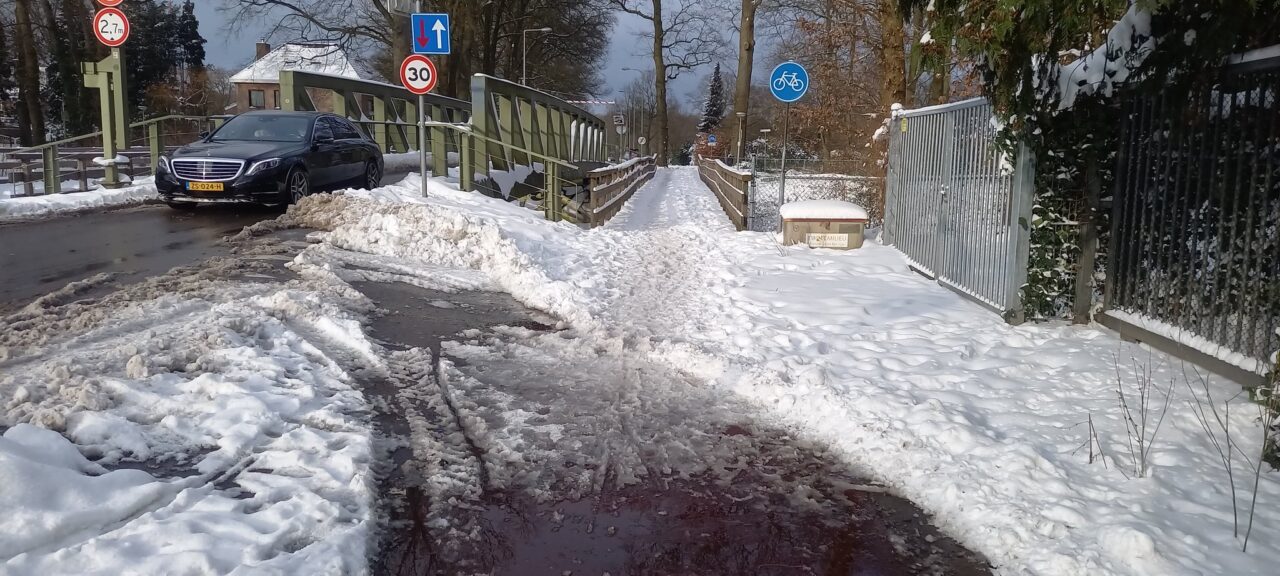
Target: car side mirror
pixel 204 134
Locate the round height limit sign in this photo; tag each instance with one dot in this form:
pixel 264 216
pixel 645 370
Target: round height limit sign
pixel 111 27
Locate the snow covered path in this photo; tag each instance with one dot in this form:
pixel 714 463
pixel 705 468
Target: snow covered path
pixel 256 385
pixel 983 424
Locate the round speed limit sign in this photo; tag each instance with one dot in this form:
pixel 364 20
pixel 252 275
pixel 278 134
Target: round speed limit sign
pixel 418 74
pixel 111 27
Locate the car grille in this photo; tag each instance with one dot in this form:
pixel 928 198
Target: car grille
pixel 205 170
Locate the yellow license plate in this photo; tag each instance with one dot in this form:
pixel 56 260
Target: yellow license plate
pixel 204 186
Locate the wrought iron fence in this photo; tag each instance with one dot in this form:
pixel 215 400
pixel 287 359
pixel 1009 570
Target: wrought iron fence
pixel 958 206
pixel 809 180
pixel 1196 217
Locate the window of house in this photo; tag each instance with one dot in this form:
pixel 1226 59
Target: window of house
pixel 257 99
pixel 276 94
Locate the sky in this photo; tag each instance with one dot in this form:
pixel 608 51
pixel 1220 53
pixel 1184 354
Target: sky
pixel 625 51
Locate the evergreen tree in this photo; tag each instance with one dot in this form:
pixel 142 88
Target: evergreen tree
pixel 153 48
pixel 190 42
pixel 713 108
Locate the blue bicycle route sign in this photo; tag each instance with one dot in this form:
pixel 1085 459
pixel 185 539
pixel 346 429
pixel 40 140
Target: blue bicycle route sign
pixel 789 81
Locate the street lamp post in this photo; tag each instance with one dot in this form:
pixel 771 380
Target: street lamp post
pixel 524 53
pixel 742 118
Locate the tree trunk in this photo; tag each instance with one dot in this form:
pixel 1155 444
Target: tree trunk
pixel 893 55
pixel 660 86
pixel 746 58
pixel 28 76
pixel 456 81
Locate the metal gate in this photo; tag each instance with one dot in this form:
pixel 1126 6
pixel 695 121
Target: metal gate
pixel 959 207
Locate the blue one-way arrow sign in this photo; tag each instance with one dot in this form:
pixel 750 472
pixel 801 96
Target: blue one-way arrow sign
pixel 430 33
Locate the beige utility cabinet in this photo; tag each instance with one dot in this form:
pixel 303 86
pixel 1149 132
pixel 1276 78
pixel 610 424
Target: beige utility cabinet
pixel 824 224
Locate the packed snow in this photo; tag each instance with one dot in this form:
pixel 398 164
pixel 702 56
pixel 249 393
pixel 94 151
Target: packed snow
pixel 223 430
pixel 822 210
pixel 34 206
pixel 983 424
pixel 1012 437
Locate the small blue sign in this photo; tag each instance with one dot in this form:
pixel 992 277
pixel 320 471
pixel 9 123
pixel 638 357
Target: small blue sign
pixel 711 139
pixel 430 34
pixel 789 81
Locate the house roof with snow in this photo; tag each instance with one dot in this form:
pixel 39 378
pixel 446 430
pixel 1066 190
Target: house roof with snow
pixel 319 57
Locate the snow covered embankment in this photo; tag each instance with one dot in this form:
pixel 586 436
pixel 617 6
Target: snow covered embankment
pixel 223 409
pixel 36 206
pixel 983 424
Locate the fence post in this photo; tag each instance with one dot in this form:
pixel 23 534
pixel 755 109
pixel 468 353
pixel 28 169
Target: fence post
pixel 1023 194
pixel 52 173
pixel 83 168
pixel 1088 243
pixel 28 187
pixel 157 147
pixel 439 152
pixel 466 168
pixel 551 191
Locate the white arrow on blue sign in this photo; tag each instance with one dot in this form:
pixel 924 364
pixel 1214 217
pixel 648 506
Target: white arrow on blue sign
pixel 789 81
pixel 430 33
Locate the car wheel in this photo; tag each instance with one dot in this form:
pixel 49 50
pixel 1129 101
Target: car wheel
pixel 297 185
pixel 182 205
pixel 372 176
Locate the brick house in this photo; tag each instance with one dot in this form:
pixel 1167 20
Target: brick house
pixel 257 87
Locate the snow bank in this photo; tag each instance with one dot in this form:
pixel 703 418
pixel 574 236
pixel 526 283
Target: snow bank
pixel 985 425
pixel 822 210
pixel 236 396
pixel 32 206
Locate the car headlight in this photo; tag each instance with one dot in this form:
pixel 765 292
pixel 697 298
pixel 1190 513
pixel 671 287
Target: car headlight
pixel 262 165
pixel 162 164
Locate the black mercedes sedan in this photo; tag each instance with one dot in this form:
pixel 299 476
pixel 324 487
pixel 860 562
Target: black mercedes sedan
pixel 270 157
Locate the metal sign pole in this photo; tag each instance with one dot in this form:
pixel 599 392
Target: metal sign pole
pixel 422 142
pixel 786 126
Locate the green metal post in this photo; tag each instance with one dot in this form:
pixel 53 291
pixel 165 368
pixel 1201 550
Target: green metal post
pixel 52 174
pixel 551 191
pixel 380 123
pixel 411 116
pixel 466 167
pixel 439 152
pixel 120 99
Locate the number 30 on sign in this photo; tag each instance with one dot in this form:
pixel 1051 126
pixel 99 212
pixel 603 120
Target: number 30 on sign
pixel 111 27
pixel 418 74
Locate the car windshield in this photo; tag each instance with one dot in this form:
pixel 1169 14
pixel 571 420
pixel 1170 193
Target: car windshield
pixel 265 128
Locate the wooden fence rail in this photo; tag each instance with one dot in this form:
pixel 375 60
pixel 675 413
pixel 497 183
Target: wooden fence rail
pixel 730 187
pixel 612 186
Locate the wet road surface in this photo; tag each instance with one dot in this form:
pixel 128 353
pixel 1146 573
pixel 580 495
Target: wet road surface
pixel 42 255
pixel 506 462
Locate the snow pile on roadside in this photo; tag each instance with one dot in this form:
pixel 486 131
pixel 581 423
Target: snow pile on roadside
pixel 983 424
pixel 33 206
pixel 230 398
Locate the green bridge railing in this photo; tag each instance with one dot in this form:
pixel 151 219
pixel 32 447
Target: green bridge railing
pixel 503 126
